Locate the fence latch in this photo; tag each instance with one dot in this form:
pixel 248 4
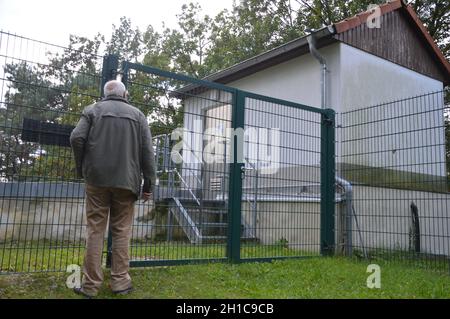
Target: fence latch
pixel 243 172
pixel 327 122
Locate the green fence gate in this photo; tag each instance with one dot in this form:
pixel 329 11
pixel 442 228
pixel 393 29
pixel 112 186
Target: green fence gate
pixel 241 176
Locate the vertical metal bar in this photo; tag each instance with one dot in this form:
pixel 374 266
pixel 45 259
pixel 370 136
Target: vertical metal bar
pixel 327 223
pixel 235 181
pixel 255 198
pixel 109 72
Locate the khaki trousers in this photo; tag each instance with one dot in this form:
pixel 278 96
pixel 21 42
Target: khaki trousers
pixel 119 205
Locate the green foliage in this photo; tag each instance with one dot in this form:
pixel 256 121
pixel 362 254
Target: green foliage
pixel 28 96
pixel 53 93
pixel 125 41
pixel 250 29
pixel 282 242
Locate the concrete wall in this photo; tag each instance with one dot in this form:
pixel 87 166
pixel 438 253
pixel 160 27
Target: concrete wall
pixel 383 220
pixel 52 216
pixel 384 217
pixel 42 219
pixel 296 223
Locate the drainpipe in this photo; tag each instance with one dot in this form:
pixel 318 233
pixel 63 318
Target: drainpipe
pixel 348 200
pixel 315 53
pixel 348 190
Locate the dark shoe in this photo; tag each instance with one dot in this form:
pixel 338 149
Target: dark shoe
pixel 123 292
pixel 79 291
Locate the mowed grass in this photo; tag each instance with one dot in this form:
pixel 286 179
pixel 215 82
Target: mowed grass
pixel 56 256
pixel 295 278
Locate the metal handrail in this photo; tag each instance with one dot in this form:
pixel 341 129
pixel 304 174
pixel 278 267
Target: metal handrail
pixel 191 229
pixel 164 137
pixel 188 188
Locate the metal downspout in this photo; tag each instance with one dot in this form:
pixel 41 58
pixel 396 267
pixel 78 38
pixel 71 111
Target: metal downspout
pixel 323 62
pixel 348 190
pixel 348 200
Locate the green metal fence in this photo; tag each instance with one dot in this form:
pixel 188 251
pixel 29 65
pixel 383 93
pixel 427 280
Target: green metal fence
pixel 241 176
pixel 225 193
pixel 397 155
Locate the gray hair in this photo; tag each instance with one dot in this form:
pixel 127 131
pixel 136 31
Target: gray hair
pixel 114 87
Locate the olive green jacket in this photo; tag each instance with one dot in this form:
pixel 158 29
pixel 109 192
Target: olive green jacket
pixel 112 145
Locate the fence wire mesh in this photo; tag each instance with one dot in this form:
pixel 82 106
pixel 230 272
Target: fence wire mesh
pixel 396 156
pixel 41 202
pixel 282 185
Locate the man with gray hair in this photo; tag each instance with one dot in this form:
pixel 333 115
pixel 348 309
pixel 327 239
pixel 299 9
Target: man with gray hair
pixel 113 151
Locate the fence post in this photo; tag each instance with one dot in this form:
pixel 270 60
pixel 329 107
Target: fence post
pixel 109 72
pixel 327 207
pixel 235 181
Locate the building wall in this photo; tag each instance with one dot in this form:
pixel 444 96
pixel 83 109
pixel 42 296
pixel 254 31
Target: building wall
pixel 397 39
pixel 297 80
pixel 384 217
pixel 299 131
pixel 356 79
pixel 297 224
pixel 396 135
pixel 194 137
pixel 366 80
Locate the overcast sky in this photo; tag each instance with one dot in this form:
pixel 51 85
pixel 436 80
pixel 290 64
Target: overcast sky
pixel 53 20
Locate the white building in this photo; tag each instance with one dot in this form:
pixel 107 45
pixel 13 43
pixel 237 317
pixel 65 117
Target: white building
pixel 365 66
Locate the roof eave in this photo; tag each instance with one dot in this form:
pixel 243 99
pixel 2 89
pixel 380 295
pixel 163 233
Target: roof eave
pixel 282 53
pixel 275 56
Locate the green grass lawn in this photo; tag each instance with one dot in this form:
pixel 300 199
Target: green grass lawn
pixel 299 278
pixel 56 256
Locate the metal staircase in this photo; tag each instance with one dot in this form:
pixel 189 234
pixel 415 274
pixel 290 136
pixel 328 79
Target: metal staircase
pixel 202 217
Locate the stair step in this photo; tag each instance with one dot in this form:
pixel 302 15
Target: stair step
pixel 207 224
pixel 206 211
pixel 213 228
pixel 206 202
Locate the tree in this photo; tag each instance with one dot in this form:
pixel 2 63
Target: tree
pixel 29 95
pixel 436 17
pixel 250 29
pixel 126 41
pixel 255 26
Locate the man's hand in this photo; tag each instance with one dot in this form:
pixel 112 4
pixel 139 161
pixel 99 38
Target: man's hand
pixel 146 196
